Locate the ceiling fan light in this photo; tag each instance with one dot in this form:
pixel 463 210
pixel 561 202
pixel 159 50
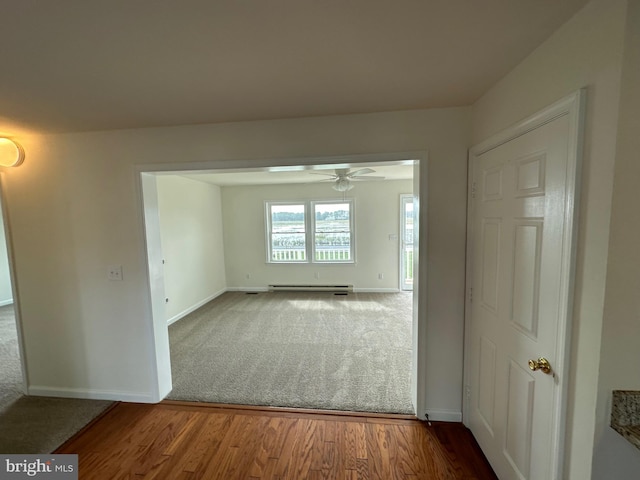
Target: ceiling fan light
pixel 342 185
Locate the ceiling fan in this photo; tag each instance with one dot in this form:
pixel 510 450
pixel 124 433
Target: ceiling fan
pixel 343 177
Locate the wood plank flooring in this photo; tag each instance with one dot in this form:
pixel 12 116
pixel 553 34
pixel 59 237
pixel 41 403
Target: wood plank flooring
pixel 180 440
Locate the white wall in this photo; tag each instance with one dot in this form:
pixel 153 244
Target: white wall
pixel 75 209
pixel 585 52
pixel 377 212
pixel 615 457
pixel 191 236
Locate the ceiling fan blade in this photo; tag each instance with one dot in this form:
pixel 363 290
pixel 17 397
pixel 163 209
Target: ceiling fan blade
pixel 333 175
pixel 362 171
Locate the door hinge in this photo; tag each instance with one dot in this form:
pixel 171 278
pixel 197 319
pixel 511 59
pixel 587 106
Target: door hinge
pixel 473 190
pixel 471 294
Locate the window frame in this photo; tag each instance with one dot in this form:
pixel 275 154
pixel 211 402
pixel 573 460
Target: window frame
pixel 269 231
pixel 310 233
pixel 352 243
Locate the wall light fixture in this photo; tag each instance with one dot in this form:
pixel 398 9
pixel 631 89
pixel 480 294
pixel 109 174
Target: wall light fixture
pixel 11 153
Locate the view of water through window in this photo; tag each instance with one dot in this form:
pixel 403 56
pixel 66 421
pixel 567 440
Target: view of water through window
pixel 288 233
pixel 330 233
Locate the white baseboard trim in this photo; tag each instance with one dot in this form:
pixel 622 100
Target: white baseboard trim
pixel 192 308
pixel 444 415
pixel 6 302
pixel 90 394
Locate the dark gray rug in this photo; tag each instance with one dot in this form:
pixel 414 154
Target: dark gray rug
pixel 303 350
pixel 34 424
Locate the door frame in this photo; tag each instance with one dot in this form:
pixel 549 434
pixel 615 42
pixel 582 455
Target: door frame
pixel 147 200
pixel 572 106
pixel 14 283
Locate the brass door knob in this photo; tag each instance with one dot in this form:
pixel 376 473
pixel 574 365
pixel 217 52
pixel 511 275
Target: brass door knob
pixel 540 364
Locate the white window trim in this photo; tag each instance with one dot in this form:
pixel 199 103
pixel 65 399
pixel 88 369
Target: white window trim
pixel 309 222
pixel 352 240
pixel 268 231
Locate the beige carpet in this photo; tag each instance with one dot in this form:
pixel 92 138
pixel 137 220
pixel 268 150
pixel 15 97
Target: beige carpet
pixel 33 425
pixel 305 350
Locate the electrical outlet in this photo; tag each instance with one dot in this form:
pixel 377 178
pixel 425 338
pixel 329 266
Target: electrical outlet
pixel 247 276
pixel 317 275
pixel 114 272
pixel 380 276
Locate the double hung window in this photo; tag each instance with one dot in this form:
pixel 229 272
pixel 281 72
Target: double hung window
pixel 287 224
pixel 310 231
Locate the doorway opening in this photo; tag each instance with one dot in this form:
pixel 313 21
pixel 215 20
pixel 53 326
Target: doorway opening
pixel 12 374
pixel 251 282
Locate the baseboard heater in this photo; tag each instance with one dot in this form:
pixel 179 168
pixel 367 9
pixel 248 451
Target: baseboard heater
pixel 311 288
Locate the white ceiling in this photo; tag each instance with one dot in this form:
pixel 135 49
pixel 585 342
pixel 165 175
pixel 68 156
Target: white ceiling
pixel 78 65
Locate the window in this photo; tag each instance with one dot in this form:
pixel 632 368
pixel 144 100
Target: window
pixel 310 231
pixel 287 233
pixel 332 232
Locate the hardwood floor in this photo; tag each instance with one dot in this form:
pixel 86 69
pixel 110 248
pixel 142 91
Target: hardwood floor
pixel 180 440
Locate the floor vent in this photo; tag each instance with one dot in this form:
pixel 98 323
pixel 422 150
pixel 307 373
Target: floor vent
pixel 311 288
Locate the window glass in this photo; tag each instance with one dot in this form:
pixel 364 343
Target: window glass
pixel 332 232
pixel 288 233
pixel 324 235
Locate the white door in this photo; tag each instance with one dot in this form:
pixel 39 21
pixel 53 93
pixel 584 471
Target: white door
pixel 520 268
